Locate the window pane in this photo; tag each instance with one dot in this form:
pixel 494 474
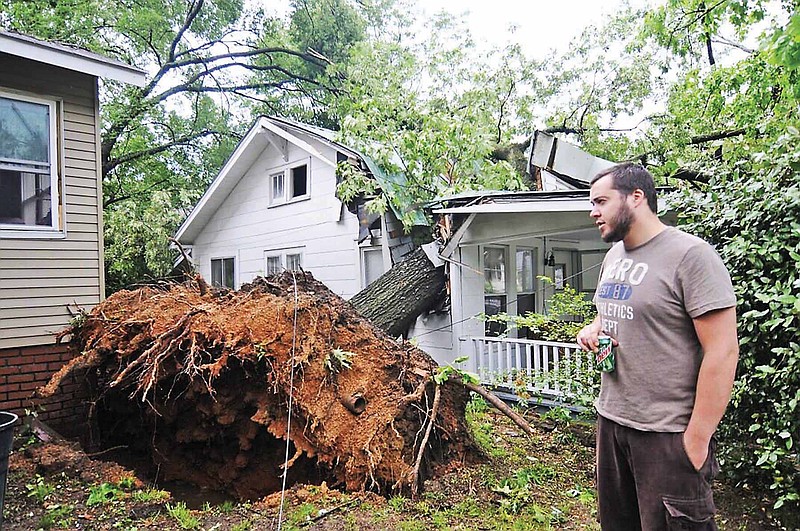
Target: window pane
pixel 277 187
pixel 525 304
pixel 216 273
pixel 24 130
pixel 492 306
pixel 294 262
pixel 494 270
pixel 525 280
pixel 590 263
pixel 228 273
pixel 373 265
pixel 299 181
pixel 273 265
pixel 11 197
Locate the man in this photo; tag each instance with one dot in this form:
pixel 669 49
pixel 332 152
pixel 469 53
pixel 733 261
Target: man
pixel 666 300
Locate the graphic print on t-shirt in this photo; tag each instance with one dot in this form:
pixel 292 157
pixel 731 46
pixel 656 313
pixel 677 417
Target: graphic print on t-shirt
pixel 616 286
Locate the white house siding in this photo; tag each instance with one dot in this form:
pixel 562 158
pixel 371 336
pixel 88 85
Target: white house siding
pixel 40 278
pixel 245 226
pixel 567 234
pixel 433 333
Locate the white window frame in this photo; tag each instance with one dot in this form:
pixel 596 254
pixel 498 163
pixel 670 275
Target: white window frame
pixel 290 181
pixel 299 253
pixel 506 282
pixel 57 227
pixel 222 259
pixel 363 250
pixel 267 269
pixel 275 198
pixel 286 171
pixel 282 254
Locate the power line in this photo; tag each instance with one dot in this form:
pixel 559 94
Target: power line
pixel 514 301
pixel 291 399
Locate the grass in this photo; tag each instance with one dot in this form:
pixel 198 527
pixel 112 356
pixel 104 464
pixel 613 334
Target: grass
pixel 150 495
pixel 183 516
pixel 57 516
pixel 39 489
pixel 528 482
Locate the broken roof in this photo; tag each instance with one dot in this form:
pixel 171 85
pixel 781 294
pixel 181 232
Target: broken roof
pixel 521 201
pixel 566 161
pixel 251 147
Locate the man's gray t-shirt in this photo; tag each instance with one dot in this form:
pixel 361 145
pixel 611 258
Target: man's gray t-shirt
pixel 647 298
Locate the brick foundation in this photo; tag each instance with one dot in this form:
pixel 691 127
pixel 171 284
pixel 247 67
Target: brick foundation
pixel 24 369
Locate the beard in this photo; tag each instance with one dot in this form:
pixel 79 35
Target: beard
pixel 620 225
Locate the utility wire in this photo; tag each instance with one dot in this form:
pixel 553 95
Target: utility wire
pixel 291 400
pixel 514 301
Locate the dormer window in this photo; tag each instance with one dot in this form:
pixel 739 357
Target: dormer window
pixel 277 190
pixel 299 181
pixel 289 184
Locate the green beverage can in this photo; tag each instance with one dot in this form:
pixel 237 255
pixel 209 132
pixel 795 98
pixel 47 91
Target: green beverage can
pixel 604 358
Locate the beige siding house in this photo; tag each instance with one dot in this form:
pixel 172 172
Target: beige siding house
pixel 51 228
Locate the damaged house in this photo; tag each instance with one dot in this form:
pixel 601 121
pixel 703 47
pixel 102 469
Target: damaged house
pixel 273 207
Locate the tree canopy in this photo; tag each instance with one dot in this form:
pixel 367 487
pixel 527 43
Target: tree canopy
pixel 210 66
pixel 704 93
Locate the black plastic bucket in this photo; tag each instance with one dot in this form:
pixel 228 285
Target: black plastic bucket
pixel 7 421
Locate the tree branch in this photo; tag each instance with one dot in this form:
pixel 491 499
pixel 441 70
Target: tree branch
pixel 701 139
pixel 136 155
pixel 190 16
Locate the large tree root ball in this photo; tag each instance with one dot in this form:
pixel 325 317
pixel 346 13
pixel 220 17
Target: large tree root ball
pixel 204 382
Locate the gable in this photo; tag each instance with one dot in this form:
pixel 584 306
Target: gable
pixel 264 135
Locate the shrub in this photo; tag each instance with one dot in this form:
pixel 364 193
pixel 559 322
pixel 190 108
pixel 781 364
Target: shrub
pixel 751 213
pixel 567 312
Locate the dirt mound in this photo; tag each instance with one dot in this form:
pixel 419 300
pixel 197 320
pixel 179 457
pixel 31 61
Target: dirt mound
pixel 55 458
pixel 203 381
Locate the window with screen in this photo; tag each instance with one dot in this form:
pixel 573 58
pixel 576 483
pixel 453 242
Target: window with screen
pixel 29 184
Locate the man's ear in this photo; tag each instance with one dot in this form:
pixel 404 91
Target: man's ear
pixel 638 197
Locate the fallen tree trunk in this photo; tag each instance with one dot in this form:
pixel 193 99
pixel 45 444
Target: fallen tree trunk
pixel 203 382
pixel 401 294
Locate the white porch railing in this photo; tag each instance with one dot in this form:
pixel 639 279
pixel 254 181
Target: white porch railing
pixel 544 368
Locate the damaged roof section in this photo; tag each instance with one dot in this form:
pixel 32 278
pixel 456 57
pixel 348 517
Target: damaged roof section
pixel 556 164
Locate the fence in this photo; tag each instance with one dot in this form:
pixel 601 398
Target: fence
pixel 545 368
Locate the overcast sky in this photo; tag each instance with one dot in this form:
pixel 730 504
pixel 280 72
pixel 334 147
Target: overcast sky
pixel 541 24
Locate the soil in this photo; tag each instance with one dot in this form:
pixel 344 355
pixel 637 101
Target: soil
pixel 198 385
pixel 541 481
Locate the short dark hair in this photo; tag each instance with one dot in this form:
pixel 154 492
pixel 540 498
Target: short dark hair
pixel 629 176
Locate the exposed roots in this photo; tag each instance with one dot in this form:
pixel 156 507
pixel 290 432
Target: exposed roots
pixel 200 380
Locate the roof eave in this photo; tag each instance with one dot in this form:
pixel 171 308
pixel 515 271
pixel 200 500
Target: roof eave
pixel 70 58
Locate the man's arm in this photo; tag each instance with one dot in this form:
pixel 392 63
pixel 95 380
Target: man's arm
pixel 716 331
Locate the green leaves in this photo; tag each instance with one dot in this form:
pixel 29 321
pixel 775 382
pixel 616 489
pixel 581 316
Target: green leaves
pixel 431 114
pixel 444 373
pixel 750 213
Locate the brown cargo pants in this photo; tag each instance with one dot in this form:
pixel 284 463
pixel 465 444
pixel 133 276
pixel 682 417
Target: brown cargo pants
pixel 646 481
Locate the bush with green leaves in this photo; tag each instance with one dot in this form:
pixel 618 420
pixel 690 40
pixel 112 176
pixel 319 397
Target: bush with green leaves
pixel 751 212
pixel 567 312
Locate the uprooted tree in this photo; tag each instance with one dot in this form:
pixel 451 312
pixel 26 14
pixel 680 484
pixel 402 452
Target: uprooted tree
pixel 397 297
pixel 211 385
